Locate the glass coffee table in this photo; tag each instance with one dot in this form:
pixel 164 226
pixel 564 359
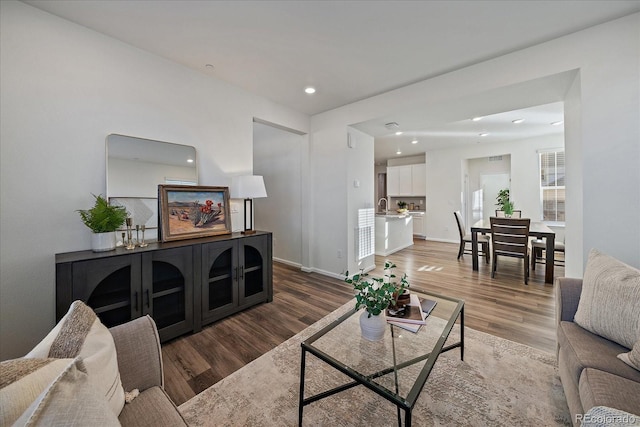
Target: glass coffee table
pixel 396 367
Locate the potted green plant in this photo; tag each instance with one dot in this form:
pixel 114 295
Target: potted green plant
pixel 504 204
pixel 402 206
pixel 374 296
pixel 103 219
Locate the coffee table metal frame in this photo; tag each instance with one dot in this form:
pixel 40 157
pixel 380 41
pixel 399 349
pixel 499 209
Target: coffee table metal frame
pixel 402 404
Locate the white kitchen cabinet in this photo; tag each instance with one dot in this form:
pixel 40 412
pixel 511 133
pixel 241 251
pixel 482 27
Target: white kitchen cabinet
pixel 407 181
pixel 419 180
pixel 393 181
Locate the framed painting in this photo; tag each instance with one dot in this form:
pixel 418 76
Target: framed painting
pixel 189 212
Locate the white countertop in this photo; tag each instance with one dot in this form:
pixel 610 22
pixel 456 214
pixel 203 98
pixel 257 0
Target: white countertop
pixel 392 214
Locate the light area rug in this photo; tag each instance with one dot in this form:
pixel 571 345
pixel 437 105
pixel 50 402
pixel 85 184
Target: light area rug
pixel 500 383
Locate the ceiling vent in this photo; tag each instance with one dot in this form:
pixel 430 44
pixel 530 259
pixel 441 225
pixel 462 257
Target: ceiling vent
pixel 495 158
pixel 392 125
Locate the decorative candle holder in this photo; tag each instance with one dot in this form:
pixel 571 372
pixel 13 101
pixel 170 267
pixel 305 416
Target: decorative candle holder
pixel 130 244
pixel 143 244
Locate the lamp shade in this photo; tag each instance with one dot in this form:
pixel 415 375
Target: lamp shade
pixel 247 187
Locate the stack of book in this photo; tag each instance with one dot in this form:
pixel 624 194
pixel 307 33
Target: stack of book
pixel 414 314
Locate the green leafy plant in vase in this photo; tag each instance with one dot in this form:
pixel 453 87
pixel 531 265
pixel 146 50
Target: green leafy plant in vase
pixel 402 206
pixel 504 204
pixel 103 220
pixel 375 295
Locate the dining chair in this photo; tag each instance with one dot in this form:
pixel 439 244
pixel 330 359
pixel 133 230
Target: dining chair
pixel 515 214
pixel 539 245
pixel 510 237
pixel 483 240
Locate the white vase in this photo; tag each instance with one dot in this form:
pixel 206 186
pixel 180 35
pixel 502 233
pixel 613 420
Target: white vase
pixel 103 242
pixel 372 327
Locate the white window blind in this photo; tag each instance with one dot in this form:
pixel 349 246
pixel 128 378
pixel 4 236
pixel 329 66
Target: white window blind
pixel 365 233
pixel 552 186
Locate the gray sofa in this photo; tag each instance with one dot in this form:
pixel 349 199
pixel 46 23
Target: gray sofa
pixel 140 365
pixel 590 371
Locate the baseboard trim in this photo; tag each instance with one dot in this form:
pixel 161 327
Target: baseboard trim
pixel 394 250
pixel 287 262
pixel 433 239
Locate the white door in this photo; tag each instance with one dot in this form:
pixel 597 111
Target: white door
pixel 490 186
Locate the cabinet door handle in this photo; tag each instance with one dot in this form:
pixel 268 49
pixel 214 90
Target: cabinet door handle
pixel 136 300
pixel 148 299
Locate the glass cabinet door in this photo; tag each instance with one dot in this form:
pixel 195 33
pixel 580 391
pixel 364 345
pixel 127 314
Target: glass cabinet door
pixel 253 271
pixel 111 287
pixel 220 274
pixel 168 290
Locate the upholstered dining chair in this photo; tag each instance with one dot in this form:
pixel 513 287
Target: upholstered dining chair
pixel 515 214
pixel 538 245
pixel 510 237
pixel 483 240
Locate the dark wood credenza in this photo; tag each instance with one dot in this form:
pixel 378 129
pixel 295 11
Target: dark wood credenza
pixel 182 285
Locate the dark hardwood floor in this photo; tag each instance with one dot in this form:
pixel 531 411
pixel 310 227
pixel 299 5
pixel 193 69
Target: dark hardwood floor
pixel 503 306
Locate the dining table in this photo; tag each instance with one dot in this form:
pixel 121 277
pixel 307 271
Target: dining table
pixel 537 229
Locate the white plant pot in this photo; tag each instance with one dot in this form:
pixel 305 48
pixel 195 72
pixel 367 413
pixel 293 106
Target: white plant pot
pixel 373 327
pixel 103 242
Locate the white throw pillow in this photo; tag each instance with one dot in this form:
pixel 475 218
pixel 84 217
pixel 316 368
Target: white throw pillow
pixel 81 334
pixel 610 301
pixel 633 357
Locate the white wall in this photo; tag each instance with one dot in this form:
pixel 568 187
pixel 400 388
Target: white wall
pixel 601 133
pixel 277 157
pixel 359 190
pixel 64 89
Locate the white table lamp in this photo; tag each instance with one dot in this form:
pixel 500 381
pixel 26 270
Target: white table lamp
pixel 248 187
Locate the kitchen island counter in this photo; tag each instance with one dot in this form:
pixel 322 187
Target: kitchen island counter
pixel 394 232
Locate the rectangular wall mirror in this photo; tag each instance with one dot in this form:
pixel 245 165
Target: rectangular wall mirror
pixel 135 167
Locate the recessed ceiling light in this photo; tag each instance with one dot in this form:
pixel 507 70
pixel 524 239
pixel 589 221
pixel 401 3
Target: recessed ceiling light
pixel 484 134
pixel 557 123
pixel 310 90
pixel 189 160
pixel 415 141
pixel 398 152
pixel 516 121
pixel 209 66
pixel 399 132
pixel 477 119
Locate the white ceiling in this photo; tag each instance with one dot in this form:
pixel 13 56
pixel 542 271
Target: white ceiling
pixel 352 50
pixel 499 127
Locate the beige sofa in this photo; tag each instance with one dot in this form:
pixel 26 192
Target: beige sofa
pixel 140 364
pixel 591 373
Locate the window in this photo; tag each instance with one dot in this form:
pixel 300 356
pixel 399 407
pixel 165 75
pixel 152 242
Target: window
pixel 552 189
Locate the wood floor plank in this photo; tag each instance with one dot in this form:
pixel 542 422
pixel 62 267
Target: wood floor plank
pixel 503 306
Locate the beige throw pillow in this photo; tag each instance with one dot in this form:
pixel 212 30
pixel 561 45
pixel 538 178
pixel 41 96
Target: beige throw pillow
pixel 22 381
pixel 81 334
pixel 633 357
pixel 610 301
pixel 70 400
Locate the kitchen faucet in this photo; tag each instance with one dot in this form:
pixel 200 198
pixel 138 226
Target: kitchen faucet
pixel 386 203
